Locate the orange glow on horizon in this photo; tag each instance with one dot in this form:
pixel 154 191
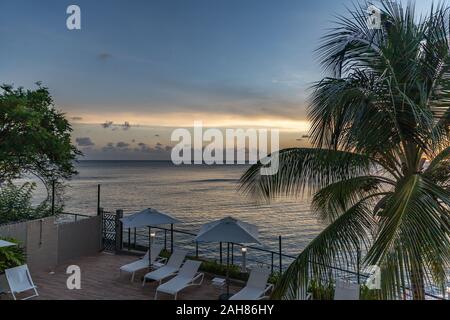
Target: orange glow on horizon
pixel 186 120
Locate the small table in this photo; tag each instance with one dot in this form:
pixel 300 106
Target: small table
pixel 218 282
pixel 157 265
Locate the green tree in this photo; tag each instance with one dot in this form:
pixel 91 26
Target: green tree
pixel 34 137
pixel 382 112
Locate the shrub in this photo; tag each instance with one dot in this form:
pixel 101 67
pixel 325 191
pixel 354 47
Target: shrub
pixel 325 291
pixel 221 270
pixel 321 291
pixel 212 266
pixel 15 203
pixel 11 257
pixel 274 277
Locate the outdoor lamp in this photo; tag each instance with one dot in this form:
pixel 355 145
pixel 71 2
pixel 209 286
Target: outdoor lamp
pixel 244 262
pixel 152 236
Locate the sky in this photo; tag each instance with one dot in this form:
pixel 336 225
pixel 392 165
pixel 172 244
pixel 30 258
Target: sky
pixel 139 69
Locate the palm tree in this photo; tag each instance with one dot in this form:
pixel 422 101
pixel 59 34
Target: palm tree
pixel 379 169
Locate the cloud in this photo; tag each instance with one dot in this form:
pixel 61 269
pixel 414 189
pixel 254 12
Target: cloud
pixel 159 148
pixel 122 145
pixel 163 96
pixel 293 80
pixel 107 124
pixel 84 142
pixel 76 118
pixel 104 56
pixel 109 147
pixel 143 147
pixel 110 125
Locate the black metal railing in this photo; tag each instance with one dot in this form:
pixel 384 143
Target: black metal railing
pixel 138 239
pixel 71 217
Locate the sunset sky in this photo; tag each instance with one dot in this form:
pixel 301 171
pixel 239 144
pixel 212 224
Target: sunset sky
pixel 159 65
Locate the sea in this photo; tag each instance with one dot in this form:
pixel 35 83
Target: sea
pixel 195 194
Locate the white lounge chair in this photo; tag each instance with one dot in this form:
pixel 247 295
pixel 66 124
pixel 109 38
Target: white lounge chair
pixel 171 268
pixel 143 263
pixel 346 290
pixel 257 287
pixel 19 280
pixel 187 276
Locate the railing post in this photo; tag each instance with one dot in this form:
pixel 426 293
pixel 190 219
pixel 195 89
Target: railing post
pixel 196 249
pixel 134 240
pixel 119 230
pixel 281 255
pixel 129 239
pixel 358 257
pixel 271 264
pixel 171 238
pixel 98 200
pixel 220 252
pixel 232 253
pixel 165 239
pixel 102 223
pixel 53 197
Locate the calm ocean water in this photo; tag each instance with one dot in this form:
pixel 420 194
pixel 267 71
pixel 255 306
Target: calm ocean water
pixel 193 194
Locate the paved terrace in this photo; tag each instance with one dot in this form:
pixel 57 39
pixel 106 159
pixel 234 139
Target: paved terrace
pixel 100 280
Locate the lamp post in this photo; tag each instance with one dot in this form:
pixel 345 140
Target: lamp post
pixel 152 237
pixel 244 259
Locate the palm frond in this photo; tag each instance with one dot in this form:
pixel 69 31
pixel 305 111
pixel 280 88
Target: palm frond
pixel 439 168
pixel 337 245
pixel 414 228
pixel 335 199
pixel 304 171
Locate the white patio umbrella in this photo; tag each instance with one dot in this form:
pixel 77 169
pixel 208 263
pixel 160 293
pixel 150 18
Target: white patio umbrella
pixel 228 230
pixel 4 243
pixel 147 218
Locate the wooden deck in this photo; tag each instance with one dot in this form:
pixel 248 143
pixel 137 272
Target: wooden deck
pixel 100 280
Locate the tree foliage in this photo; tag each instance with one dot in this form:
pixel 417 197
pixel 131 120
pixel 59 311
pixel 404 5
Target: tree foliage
pixel 35 140
pixel 34 136
pixel 16 203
